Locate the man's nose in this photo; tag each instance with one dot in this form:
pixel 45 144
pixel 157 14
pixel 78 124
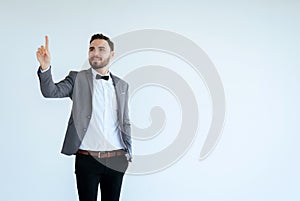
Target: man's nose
pixel 95 52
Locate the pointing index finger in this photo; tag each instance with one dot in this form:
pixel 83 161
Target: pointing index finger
pixel 46 42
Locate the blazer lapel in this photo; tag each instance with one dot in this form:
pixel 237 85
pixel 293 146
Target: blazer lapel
pixel 119 95
pixel 89 76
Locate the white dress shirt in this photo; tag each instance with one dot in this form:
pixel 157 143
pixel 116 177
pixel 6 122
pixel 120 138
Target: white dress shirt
pixel 103 133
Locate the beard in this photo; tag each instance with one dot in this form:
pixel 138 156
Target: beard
pixel 99 64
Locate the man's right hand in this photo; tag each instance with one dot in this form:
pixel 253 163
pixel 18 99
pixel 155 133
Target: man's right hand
pixel 43 55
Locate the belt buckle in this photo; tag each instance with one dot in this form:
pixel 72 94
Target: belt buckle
pixel 103 154
pixel 100 153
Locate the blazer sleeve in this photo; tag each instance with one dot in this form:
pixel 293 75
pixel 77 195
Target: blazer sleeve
pixel 127 126
pixel 62 89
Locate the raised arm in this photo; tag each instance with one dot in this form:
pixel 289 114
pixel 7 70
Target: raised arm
pixel 49 89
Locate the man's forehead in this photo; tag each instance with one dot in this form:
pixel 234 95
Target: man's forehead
pixel 99 42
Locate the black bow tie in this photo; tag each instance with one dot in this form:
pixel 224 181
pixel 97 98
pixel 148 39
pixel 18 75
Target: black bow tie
pixel 105 77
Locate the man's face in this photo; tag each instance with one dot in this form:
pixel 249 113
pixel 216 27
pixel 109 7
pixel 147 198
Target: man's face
pixel 99 53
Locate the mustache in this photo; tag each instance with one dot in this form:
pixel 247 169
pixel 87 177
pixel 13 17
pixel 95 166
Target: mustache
pixel 96 57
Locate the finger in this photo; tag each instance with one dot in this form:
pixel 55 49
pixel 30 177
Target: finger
pixel 46 42
pixel 39 51
pixel 38 54
pixel 44 49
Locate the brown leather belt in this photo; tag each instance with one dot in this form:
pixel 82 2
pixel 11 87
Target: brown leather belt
pixel 103 154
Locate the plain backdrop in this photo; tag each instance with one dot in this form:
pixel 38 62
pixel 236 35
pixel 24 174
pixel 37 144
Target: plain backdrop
pixel 255 48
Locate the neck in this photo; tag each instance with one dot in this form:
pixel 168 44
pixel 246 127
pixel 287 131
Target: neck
pixel 103 71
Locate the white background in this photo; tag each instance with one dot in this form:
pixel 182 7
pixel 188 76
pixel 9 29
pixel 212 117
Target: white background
pixel 254 46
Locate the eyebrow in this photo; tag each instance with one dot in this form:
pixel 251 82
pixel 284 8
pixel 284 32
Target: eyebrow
pixel 101 47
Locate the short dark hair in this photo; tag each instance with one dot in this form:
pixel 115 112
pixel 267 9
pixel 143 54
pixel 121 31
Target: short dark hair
pixel 101 36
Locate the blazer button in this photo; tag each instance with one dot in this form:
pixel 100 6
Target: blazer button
pixel 89 116
pixel 84 129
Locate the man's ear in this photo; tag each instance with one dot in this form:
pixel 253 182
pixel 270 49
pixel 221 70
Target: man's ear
pixel 112 54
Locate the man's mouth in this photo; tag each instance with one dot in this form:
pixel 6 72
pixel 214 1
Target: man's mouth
pixel 97 58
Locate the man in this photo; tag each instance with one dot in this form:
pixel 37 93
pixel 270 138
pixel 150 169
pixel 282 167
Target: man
pixel 99 131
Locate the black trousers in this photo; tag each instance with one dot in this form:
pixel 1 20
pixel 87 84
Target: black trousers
pixel 108 172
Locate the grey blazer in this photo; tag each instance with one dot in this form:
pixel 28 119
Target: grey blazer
pixel 79 87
